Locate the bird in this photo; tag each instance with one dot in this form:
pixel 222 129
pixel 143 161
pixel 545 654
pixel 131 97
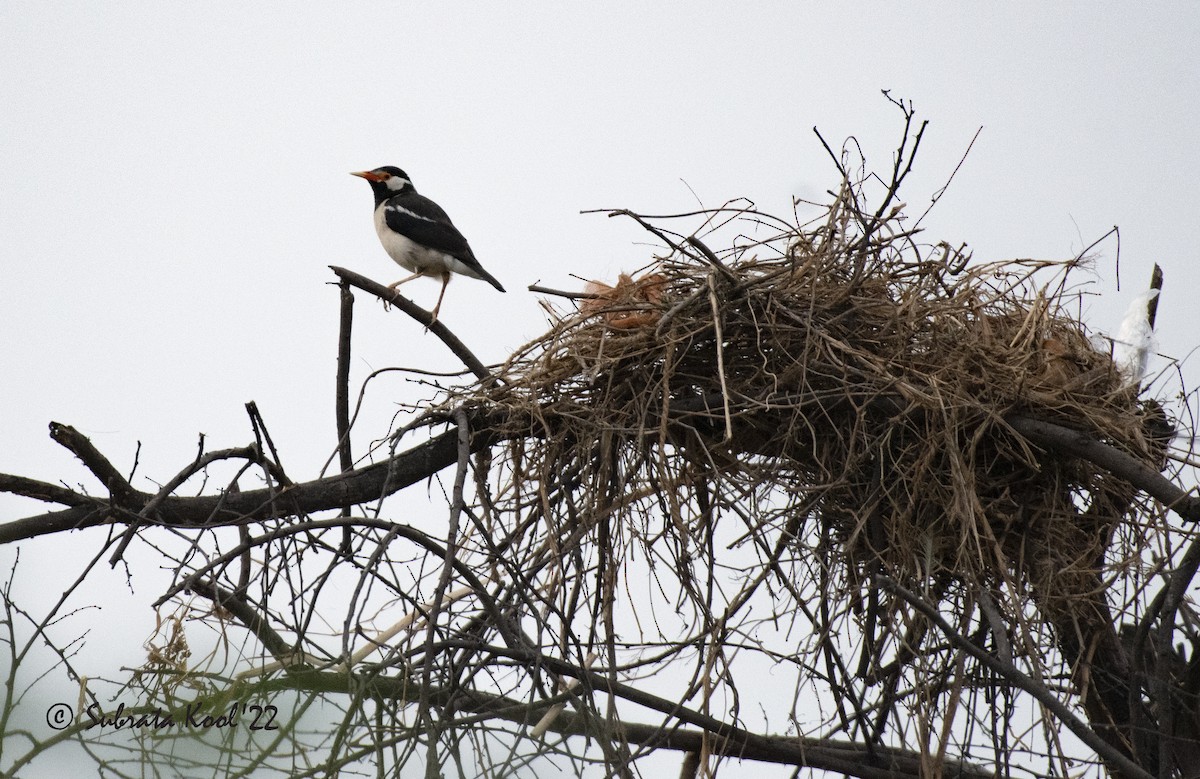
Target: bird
pixel 417 233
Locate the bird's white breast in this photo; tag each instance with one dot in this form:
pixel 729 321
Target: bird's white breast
pixel 413 256
pixel 407 253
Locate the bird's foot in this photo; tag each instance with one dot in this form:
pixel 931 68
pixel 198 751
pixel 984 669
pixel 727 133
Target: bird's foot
pixel 433 317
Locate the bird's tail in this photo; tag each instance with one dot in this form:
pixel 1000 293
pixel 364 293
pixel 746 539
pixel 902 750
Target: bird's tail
pixel 490 279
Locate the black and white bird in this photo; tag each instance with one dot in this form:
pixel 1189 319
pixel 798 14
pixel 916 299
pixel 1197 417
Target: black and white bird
pixel 417 234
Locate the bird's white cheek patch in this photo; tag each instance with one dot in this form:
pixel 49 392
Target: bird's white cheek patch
pixel 395 183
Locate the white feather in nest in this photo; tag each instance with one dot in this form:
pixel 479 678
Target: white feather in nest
pixel 1134 342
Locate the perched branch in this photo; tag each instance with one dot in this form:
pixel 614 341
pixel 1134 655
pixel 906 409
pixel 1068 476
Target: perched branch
pixel 439 329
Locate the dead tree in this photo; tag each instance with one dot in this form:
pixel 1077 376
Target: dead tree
pixel 909 490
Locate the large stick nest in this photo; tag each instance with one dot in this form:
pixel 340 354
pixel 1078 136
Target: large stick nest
pixel 848 385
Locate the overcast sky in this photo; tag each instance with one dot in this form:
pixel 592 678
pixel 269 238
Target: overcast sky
pixel 173 178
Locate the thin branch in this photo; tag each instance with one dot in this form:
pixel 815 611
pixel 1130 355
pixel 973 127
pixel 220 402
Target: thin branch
pixel 457 505
pixel 246 614
pixel 712 258
pixel 842 757
pixel 342 398
pixel 259 425
pixel 562 293
pixel 422 316
pixel 201 462
pixel 941 192
pixel 332 492
pixel 1107 751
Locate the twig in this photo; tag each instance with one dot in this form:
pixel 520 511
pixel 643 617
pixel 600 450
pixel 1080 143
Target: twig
pixel 941 192
pixel 201 462
pixel 1107 751
pixel 562 293
pixel 666 318
pixel 708 212
pixel 548 718
pixel 662 236
pixel 716 312
pixel 898 175
pixel 342 398
pixel 712 258
pixel 457 504
pixel 259 425
pixel 422 316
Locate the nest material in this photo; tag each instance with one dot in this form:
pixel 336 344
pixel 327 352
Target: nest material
pixel 858 380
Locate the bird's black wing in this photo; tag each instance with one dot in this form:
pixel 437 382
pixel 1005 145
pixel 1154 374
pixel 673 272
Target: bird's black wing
pixel 425 222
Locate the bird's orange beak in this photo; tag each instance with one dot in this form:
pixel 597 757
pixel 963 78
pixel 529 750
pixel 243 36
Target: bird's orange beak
pixel 369 175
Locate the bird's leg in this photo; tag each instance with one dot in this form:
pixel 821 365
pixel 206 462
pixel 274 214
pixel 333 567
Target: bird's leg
pixel 405 280
pixel 442 294
pixel 393 285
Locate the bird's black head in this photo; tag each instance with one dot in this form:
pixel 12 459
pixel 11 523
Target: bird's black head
pixel 386 181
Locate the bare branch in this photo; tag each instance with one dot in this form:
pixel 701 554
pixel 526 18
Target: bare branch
pixel 40 490
pixel 1018 679
pixel 439 329
pixel 332 492
pixel 98 464
pixel 1116 462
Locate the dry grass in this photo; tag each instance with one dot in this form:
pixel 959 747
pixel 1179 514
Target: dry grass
pixel 730 449
pixel 864 375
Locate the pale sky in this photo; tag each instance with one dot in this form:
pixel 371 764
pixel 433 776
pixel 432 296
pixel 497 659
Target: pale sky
pixel 173 179
pixel 174 176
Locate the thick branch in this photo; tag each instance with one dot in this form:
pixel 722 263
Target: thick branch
pixel 1081 445
pixel 81 446
pixel 40 490
pixel 824 754
pixel 421 462
pixel 333 492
